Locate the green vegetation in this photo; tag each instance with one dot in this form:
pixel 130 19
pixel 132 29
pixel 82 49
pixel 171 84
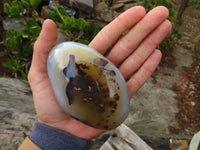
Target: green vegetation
pixel 19 48
pixel 195 3
pixel 76 29
pixel 168 43
pixel 149 4
pixel 18 8
pixel 14 9
pixel 19 43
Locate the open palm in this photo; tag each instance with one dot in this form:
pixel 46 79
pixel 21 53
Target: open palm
pixel 134 54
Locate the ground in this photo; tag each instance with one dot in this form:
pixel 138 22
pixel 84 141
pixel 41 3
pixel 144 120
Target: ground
pixel 187 86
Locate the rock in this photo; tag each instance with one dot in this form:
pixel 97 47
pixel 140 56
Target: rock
pixel 12 23
pixel 45 12
pixel 17 113
pixel 100 7
pixel 109 2
pixel 86 6
pixel 153 108
pixel 108 15
pixel 117 6
pixel 196 38
pixel 104 13
pixel 129 5
pixel 179 53
pixel 61 36
pixel 152 111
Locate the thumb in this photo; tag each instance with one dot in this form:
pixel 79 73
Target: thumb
pixel 45 42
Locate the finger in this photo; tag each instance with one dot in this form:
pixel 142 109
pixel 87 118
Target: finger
pixel 136 59
pixel 146 70
pixel 127 44
pixel 110 33
pixel 45 42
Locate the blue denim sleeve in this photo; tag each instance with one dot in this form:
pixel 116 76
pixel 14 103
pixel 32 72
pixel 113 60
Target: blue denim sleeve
pixel 49 138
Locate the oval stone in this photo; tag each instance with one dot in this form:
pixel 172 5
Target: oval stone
pixel 88 86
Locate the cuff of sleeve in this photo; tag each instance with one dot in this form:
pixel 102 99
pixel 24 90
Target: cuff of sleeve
pixel 49 138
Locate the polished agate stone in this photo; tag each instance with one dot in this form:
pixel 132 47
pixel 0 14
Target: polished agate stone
pixel 88 86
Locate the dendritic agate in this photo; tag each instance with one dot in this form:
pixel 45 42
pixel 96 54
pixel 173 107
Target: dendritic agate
pixel 88 86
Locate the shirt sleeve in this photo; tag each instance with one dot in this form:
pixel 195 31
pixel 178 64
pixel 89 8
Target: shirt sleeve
pixel 49 138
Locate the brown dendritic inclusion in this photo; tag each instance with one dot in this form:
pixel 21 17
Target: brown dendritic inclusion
pixel 88 90
pixel 87 86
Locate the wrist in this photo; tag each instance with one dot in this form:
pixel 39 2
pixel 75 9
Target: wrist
pixel 74 127
pixel 49 138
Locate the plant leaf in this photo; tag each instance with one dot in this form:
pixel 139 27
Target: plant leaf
pixel 34 4
pixel 6 8
pixel 26 3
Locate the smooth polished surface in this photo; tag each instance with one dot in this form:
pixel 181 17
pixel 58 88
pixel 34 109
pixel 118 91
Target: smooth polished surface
pixel 88 86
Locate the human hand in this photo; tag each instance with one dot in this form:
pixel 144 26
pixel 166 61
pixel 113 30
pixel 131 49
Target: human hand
pixel 134 54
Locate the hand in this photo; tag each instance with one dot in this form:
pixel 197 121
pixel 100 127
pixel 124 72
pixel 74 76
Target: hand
pixel 134 54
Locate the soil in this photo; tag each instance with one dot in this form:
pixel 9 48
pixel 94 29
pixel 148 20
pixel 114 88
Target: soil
pixel 188 85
